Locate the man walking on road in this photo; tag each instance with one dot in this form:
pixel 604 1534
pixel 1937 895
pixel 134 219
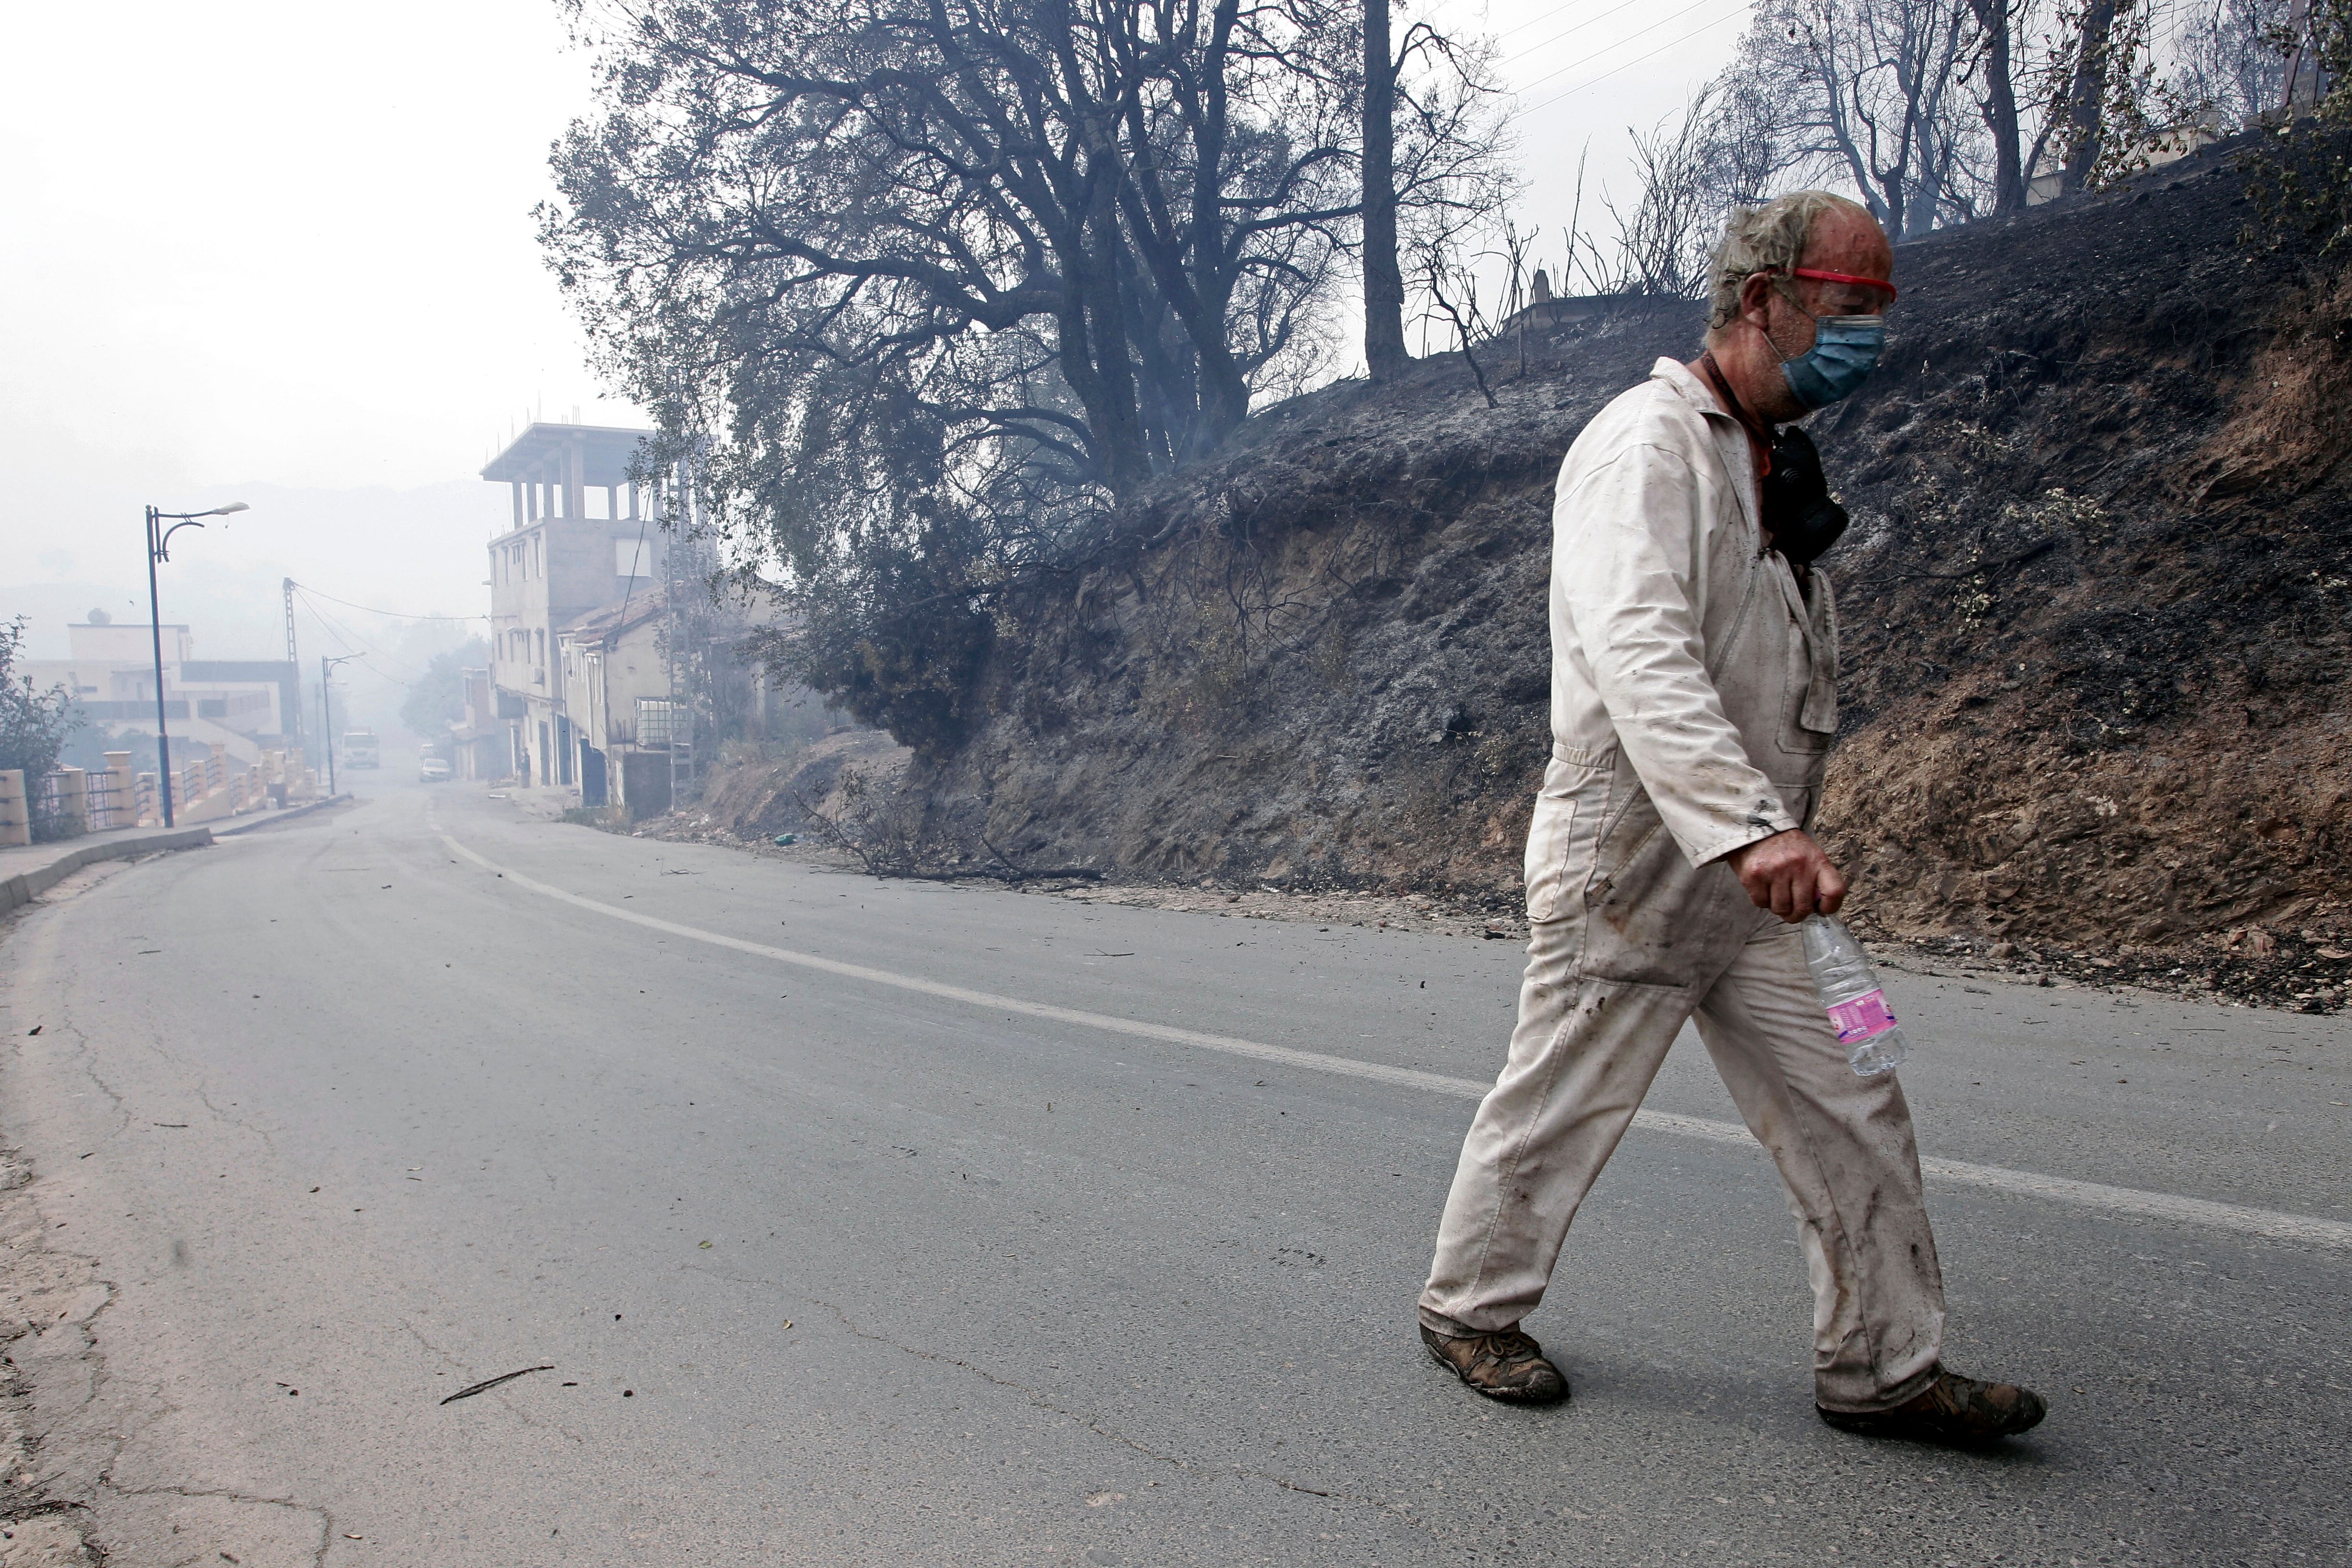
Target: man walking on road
pixel 1693 699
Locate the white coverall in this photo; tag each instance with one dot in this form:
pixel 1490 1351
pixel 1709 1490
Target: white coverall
pixel 1693 698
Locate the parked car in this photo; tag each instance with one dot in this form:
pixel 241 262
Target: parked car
pixel 433 770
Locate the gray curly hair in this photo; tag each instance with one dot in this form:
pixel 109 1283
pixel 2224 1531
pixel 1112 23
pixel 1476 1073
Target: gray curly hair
pixel 1766 238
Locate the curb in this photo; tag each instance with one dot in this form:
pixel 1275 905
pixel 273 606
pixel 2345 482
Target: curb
pixel 285 815
pixel 23 887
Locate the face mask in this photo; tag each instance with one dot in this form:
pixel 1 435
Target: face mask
pixel 1845 349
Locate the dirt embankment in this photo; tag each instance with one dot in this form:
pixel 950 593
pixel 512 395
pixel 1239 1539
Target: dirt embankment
pixel 2094 597
pixel 756 798
pixel 2097 611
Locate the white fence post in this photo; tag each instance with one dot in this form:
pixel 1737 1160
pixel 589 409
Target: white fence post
pixel 73 800
pixel 16 811
pixel 121 804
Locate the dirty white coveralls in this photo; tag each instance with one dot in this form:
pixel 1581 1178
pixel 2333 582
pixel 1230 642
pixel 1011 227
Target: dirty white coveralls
pixel 1693 698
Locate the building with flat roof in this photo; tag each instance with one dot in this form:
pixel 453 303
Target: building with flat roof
pixel 583 535
pixel 244 705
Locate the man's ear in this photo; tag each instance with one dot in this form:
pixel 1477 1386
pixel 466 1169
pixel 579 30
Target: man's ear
pixel 1756 299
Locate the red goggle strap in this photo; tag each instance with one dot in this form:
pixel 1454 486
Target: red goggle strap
pixel 1820 277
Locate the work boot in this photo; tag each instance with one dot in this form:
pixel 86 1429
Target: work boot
pixel 1505 1364
pixel 1954 1410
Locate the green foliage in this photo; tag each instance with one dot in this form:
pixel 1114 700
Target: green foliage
pixel 915 294
pixel 2300 177
pixel 896 637
pixel 437 700
pixel 34 724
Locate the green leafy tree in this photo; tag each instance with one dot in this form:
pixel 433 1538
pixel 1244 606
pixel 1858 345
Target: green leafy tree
pixel 2300 178
pixel 920 291
pixel 34 723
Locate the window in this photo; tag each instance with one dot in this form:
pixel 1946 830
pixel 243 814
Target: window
pixel 633 558
pixel 661 724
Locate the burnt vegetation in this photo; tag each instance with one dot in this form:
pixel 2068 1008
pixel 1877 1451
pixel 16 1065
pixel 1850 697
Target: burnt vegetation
pixel 2094 605
pixel 985 331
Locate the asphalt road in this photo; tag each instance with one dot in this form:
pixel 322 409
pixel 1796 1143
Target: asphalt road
pixel 859 1264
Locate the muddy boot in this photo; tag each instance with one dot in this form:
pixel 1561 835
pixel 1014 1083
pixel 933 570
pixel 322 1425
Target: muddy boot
pixel 1954 1410
pixel 1505 1364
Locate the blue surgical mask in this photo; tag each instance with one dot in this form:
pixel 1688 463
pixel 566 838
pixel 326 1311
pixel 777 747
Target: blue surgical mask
pixel 1845 349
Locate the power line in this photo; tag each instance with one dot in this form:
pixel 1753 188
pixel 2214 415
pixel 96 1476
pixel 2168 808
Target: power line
pixel 1621 42
pixel 1536 21
pixel 371 609
pixel 1627 65
pixel 342 634
pixel 353 644
pixel 1588 22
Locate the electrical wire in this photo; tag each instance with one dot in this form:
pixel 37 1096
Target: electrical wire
pixel 1536 20
pixel 353 646
pixel 343 633
pixel 1626 65
pixel 1588 22
pixel 1621 42
pixel 371 609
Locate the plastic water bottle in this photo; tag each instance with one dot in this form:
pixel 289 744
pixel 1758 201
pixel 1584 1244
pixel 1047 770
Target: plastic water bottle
pixel 1849 990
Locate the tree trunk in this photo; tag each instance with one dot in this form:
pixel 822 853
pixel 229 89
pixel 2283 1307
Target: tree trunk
pixel 1092 347
pixel 1384 354
pixel 2086 96
pixel 2001 107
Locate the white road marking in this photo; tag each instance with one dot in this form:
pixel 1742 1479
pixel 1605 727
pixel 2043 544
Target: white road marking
pixel 2268 1224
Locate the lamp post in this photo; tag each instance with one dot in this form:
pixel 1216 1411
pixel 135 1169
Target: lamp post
pixel 159 539
pixel 327 715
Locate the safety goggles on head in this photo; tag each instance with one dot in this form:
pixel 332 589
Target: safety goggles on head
pixel 1870 306
pixel 1846 341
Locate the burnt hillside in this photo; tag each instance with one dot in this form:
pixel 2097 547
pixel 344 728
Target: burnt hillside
pixel 2095 599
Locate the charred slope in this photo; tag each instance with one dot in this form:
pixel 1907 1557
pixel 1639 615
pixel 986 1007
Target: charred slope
pixel 2095 604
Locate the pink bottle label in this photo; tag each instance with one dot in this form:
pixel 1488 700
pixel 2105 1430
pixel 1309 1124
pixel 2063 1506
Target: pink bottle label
pixel 1859 1019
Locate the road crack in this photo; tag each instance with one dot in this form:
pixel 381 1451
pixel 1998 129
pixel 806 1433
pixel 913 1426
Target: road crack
pixel 322 1517
pixel 1044 1402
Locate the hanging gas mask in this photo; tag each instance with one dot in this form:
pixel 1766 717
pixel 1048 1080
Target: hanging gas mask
pixel 1803 518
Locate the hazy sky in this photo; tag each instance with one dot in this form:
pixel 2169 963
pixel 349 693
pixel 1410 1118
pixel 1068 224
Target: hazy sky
pixel 287 249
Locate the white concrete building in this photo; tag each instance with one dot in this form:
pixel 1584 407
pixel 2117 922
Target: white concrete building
pixel 242 704
pixel 616 693
pixel 582 538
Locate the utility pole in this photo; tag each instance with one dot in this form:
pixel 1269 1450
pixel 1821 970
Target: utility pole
pixel 294 658
pixel 326 726
pixel 681 702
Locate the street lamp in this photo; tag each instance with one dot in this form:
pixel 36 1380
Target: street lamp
pixel 327 716
pixel 158 540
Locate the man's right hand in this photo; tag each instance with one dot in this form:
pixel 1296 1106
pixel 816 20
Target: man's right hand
pixel 1789 875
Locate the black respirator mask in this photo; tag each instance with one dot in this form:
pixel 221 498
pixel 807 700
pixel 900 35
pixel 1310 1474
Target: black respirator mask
pixel 1804 521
